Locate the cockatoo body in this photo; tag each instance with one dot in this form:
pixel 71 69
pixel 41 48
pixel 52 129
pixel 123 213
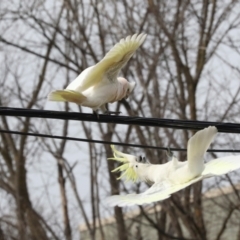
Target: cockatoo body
pixel 174 175
pixel 100 84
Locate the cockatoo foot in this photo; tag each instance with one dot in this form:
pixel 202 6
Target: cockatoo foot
pixel 169 154
pixel 96 114
pixel 141 159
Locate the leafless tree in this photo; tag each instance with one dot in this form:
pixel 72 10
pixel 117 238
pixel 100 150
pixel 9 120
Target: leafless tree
pixel 187 69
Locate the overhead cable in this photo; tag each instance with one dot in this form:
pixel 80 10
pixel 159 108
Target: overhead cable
pixel 140 121
pixel 107 142
pixel 127 120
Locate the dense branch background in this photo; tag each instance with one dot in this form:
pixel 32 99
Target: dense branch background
pixel 188 68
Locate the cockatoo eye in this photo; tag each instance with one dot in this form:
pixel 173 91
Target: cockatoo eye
pixel 140 158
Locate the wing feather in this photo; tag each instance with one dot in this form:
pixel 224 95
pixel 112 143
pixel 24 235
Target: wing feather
pixel 114 60
pixel 197 146
pixel 134 199
pixel 222 165
pixel 156 193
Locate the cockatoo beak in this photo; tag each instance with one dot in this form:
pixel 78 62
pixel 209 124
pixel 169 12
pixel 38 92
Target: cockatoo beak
pixel 131 86
pixel 127 161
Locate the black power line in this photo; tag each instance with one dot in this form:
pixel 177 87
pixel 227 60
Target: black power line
pixel 141 121
pixel 127 120
pixel 107 142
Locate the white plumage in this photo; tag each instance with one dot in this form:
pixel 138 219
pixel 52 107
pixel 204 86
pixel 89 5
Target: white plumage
pixel 172 176
pixel 100 84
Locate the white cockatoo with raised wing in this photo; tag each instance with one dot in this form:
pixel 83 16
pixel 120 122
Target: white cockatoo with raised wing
pixel 174 175
pixel 100 84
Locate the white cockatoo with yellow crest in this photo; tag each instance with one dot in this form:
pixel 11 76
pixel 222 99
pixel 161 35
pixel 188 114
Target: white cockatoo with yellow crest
pixel 99 84
pixel 172 176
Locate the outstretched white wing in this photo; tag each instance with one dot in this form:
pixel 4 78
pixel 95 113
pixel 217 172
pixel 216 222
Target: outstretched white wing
pixel 155 193
pixel 113 61
pixel 222 165
pixel 197 146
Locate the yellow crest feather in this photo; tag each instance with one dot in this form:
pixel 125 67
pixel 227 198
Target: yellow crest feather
pixel 126 168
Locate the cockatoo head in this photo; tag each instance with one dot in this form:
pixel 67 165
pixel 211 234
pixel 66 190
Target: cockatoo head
pixel 128 162
pixel 127 86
